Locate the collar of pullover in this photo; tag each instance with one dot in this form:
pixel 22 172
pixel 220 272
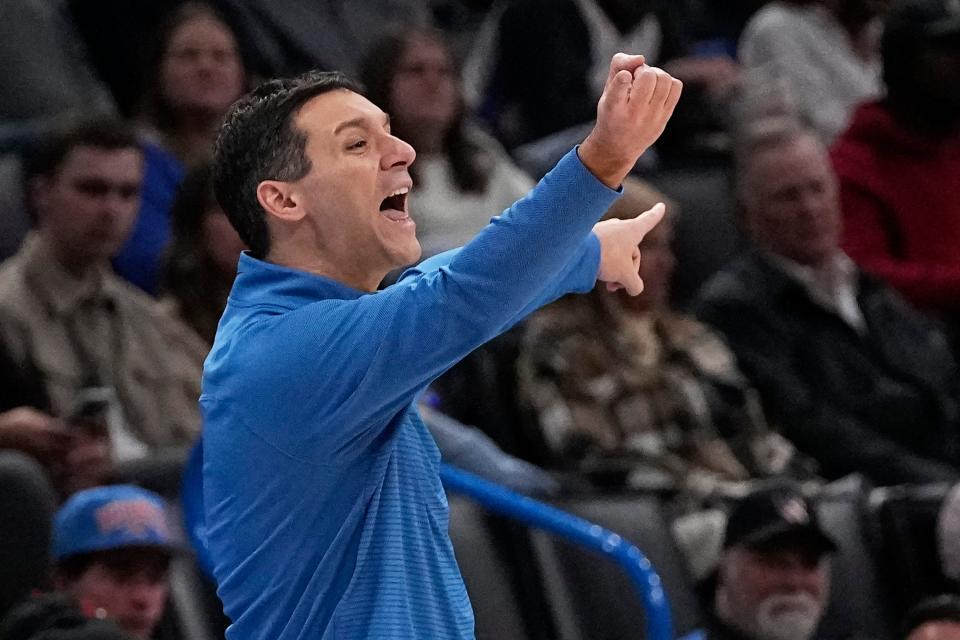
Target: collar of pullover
pixel 261 282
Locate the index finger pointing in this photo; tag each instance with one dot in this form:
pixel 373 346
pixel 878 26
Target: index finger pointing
pixel 643 223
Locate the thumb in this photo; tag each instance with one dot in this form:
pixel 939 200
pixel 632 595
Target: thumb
pixel 618 91
pixel 643 223
pixel 624 61
pixel 633 283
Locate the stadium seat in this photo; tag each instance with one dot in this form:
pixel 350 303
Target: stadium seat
pixel 905 520
pixel 591 597
pixel 502 608
pixel 857 605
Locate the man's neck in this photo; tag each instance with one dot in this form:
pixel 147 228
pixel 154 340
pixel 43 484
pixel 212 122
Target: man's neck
pixel 77 267
pixel 332 269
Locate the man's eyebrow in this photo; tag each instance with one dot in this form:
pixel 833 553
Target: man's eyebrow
pixel 355 122
pixel 358 122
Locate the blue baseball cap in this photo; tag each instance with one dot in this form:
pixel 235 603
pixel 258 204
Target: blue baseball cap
pixel 111 517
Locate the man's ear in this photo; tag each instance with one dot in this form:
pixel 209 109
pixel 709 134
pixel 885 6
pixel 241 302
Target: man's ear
pixel 275 198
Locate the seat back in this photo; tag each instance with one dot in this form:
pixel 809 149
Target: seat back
pixel 857 607
pixel 592 597
pixel 27 502
pixel 502 608
pixel 905 536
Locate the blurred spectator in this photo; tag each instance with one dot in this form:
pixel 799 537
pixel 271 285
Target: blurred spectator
pixel 106 355
pixel 201 261
pixel 462 176
pixel 816 59
pixel 45 75
pixel 294 36
pixel 565 44
pixel 45 71
pixel 773 577
pixel 195 75
pixel 72 453
pixel 719 24
pixel 935 618
pixel 56 617
pixel 112 548
pixel 899 163
pixel 625 385
pixel 851 374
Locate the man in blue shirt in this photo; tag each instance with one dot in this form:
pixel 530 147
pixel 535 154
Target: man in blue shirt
pixel 325 516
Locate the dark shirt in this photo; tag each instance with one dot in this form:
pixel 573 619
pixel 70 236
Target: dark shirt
pixel 882 402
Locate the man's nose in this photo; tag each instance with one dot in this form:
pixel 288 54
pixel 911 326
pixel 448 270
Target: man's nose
pixel 798 578
pixel 115 203
pixel 399 154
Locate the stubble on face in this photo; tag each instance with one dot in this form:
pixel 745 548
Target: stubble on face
pixel 353 198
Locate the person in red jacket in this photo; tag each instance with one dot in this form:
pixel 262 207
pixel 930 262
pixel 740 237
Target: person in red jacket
pixel 899 162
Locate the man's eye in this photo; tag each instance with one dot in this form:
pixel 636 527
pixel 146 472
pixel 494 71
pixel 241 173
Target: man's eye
pixel 359 144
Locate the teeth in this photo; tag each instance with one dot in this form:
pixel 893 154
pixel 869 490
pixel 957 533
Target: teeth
pixel 400 192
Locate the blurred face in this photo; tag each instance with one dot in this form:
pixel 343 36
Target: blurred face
pixel 355 194
pixel 201 69
pixel 657 262
pixel 129 586
pixel 87 208
pixel 424 92
pixel 221 241
pixel 937 630
pixel 773 594
pixel 791 201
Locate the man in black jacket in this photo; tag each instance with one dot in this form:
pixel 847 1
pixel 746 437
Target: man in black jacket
pixel 852 374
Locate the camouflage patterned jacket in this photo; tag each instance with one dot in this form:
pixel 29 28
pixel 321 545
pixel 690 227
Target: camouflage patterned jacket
pixel 657 395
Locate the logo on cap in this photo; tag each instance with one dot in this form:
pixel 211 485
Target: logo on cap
pixel 793 510
pixel 135 516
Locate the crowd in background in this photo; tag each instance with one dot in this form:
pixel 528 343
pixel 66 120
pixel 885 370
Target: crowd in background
pixel 811 175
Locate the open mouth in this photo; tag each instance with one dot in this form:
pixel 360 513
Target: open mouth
pixel 394 206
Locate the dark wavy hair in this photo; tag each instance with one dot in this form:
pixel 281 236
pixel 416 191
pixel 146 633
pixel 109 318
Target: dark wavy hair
pixel 258 141
pixel 471 172
pixel 190 277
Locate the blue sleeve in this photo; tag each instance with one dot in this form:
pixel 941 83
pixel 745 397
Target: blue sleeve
pixel 577 276
pixel 359 362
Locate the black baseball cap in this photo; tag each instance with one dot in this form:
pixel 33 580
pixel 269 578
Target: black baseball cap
pixel 923 20
pixel 774 515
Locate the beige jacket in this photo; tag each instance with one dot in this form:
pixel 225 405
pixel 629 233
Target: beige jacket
pixel 100 331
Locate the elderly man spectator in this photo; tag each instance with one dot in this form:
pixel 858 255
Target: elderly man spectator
pixel 899 162
pixel 852 374
pixel 773 577
pixel 105 354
